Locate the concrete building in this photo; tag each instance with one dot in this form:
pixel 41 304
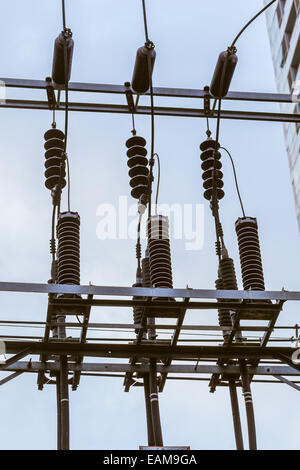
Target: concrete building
pixel 283 22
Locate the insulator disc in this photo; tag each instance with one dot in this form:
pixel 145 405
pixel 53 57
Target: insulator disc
pixel 54 133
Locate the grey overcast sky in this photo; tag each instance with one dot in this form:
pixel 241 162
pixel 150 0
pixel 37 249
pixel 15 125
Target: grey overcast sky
pixel 188 37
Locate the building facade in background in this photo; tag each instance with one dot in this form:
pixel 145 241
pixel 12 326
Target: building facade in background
pixel 283 22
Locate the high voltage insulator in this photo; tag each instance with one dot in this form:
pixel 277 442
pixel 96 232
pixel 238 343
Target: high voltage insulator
pixel 250 256
pixel 159 251
pixel 228 275
pixel 137 311
pixel 224 316
pixel 137 162
pixel 223 74
pixel 146 272
pixel 68 253
pixel 141 75
pixel 55 165
pixel 61 72
pixel 211 166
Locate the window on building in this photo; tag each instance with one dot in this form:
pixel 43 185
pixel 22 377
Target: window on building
pixel 292 77
pixel 280 10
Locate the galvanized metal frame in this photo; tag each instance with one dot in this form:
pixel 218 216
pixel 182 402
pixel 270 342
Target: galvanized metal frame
pixel 73 353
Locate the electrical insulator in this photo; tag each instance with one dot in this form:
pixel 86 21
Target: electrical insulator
pixel 223 74
pixel 55 165
pixel 137 162
pixel 227 274
pixel 159 251
pixel 141 75
pixel 61 72
pixel 211 166
pixel 249 250
pixel 224 316
pixel 68 252
pixel 146 272
pixel 137 311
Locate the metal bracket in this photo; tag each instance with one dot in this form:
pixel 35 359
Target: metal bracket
pixel 206 99
pixel 50 93
pixel 129 97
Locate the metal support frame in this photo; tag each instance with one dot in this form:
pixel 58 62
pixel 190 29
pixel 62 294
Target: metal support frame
pixel 159 111
pixel 231 359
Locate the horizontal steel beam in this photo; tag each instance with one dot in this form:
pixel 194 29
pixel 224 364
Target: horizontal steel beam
pixel 147 292
pixel 158 111
pixel 236 350
pixel 157 91
pixel 275 370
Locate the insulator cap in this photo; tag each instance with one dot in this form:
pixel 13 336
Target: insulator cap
pixel 55 164
pixel 138 166
pixel 228 61
pixel 60 73
pixel 211 167
pixel 141 77
pixel 250 256
pixel 68 252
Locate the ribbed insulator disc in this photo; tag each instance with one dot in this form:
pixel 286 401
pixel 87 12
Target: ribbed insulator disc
pixel 159 251
pixel 250 256
pixel 138 164
pixel 68 253
pixel 55 166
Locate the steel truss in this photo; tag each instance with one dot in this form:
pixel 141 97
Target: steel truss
pixel 224 364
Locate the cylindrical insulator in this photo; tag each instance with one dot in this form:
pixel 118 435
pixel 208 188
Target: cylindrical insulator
pixel 146 272
pixel 68 252
pixel 159 251
pixel 224 316
pixel 55 165
pixel 227 272
pixel 250 256
pixel 137 311
pixel 61 73
pixel 211 166
pixel 224 68
pixel 137 162
pixel 141 76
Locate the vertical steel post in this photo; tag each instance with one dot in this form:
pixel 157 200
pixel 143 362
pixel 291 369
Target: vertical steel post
pixel 63 394
pixel 236 415
pixel 58 411
pixel 248 404
pixel 148 411
pixel 154 403
pixel 64 403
